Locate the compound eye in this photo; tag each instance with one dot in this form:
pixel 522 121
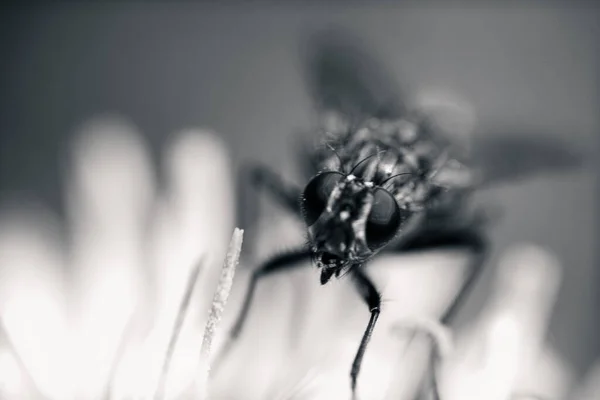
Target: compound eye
pixel 384 220
pixel 316 194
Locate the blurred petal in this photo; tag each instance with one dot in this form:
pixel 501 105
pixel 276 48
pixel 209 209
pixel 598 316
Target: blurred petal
pixel 32 298
pixel 194 219
pixel 417 286
pixel 590 387
pixel 261 353
pixel 198 211
pixel 15 380
pixel 12 380
pixel 505 343
pixel 110 192
pixel 551 377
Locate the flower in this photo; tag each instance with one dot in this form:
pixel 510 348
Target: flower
pixel 97 304
pixel 89 314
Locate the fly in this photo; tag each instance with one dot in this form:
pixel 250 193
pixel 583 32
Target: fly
pixel 384 179
pixel 374 186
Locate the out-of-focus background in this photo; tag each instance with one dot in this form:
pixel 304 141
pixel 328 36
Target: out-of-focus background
pixel 238 70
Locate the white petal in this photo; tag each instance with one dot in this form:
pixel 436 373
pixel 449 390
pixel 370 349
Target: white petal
pixel 199 209
pixel 109 197
pixel 193 223
pixel 32 298
pixel 505 342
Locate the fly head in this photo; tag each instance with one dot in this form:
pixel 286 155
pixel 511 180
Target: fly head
pixel 348 221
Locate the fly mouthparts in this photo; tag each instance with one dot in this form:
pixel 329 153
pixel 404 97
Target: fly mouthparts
pixel 326 274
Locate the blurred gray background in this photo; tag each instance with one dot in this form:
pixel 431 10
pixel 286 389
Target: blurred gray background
pixel 238 70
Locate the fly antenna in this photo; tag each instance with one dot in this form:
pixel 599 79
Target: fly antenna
pixel 365 159
pixel 330 147
pixel 394 176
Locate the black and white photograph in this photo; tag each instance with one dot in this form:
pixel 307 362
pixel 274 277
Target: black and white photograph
pixel 299 200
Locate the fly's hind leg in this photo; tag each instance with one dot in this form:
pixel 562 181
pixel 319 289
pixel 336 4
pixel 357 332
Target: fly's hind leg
pixel 438 237
pixel 279 263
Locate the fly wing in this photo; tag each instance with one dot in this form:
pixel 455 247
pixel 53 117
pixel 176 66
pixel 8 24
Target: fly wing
pixel 496 158
pixel 511 155
pixel 343 77
pixel 489 156
pixel 347 85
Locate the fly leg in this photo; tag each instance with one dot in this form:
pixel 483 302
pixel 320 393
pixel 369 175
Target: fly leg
pixel 279 263
pixel 260 177
pixel 479 248
pixel 468 239
pixel 371 296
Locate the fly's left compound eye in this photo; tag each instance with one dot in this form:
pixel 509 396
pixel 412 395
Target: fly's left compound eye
pixel 316 194
pixel 384 220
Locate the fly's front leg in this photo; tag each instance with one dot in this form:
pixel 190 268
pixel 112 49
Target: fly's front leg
pixel 280 263
pixel 371 296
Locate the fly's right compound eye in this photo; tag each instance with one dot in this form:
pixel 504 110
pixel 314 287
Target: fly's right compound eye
pixel 384 220
pixel 316 194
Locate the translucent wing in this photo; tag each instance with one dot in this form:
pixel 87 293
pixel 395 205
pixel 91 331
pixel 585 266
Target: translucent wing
pixel 494 155
pixel 345 78
pixel 512 154
pixel 348 84
pixel 498 158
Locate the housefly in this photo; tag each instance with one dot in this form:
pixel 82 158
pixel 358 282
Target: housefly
pixel 384 177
